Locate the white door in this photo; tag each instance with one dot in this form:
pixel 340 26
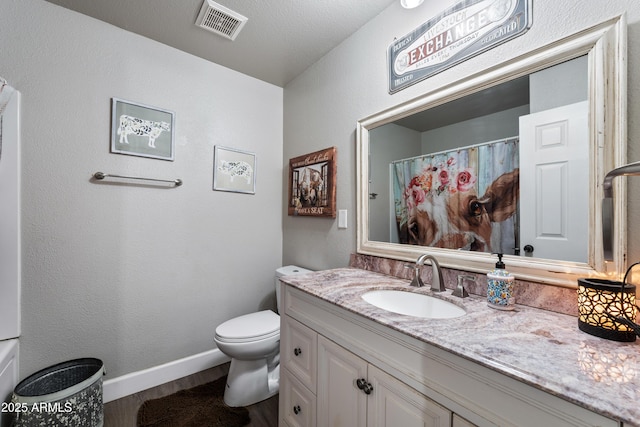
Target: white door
pixel 9 213
pixel 393 404
pixel 340 402
pixel 554 176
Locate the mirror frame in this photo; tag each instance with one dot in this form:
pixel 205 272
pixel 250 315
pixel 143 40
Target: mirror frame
pixel 606 47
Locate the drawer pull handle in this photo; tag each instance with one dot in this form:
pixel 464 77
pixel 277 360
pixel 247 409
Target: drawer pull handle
pixel 296 409
pixel 297 351
pixel 364 385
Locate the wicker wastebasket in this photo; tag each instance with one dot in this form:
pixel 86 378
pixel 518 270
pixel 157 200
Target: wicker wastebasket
pixel 68 394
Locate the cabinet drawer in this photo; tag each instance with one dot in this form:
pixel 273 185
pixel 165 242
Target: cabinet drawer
pixel 297 406
pixel 298 351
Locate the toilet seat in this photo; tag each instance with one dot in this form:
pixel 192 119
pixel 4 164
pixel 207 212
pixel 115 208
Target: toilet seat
pixel 249 327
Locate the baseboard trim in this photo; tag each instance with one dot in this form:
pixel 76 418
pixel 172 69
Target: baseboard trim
pixel 135 382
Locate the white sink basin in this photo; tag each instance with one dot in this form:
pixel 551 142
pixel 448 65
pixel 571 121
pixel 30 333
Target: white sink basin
pixel 413 304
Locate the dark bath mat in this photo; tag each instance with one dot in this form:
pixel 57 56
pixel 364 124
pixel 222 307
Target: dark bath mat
pixel 201 406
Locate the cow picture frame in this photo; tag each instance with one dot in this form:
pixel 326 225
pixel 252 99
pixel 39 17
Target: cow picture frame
pixel 142 130
pixel 234 170
pixel 312 184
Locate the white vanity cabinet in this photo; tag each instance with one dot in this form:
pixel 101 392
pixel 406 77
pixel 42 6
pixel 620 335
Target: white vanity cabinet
pixel 348 392
pixel 352 392
pixel 326 349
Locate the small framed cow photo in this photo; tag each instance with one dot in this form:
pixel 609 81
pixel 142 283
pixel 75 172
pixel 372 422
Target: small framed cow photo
pixel 312 184
pixel 141 130
pixel 234 170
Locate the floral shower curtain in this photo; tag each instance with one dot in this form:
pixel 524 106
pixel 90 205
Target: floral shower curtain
pixel 443 199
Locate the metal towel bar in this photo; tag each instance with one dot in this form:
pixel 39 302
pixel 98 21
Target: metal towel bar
pixel 102 175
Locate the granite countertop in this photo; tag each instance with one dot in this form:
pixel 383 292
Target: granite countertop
pixel 540 348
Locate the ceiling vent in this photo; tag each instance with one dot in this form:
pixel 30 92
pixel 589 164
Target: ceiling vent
pixel 220 20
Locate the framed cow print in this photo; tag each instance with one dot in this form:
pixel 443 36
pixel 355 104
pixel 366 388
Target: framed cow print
pixel 312 184
pixel 141 130
pixel 234 170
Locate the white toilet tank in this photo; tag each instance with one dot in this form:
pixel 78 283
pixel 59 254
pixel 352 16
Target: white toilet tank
pixel 287 270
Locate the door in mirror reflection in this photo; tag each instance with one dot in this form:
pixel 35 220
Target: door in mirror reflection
pixel 553 190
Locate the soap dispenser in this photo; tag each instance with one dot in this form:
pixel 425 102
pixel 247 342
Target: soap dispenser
pixel 500 287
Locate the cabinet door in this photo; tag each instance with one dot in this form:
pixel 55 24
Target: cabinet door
pixel 394 404
pixel 458 421
pixel 299 350
pixel 297 405
pixel 340 402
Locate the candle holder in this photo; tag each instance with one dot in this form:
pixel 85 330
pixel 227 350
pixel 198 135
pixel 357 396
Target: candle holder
pixel 603 307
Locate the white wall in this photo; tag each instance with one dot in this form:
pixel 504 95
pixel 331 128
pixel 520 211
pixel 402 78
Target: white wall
pixel 387 143
pixel 492 127
pixel 564 84
pixel 134 275
pixel 323 105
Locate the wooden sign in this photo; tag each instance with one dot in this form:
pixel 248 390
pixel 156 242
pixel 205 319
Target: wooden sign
pixel 312 184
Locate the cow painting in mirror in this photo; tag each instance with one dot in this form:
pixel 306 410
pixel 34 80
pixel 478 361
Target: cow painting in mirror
pixel 466 199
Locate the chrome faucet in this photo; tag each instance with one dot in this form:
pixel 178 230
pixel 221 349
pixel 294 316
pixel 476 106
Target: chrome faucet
pixel 437 284
pixel 460 291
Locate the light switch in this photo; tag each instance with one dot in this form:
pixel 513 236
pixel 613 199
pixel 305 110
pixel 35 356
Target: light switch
pixel 342 218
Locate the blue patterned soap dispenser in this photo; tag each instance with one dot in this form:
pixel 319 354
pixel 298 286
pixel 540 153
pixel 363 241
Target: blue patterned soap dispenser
pixel 500 287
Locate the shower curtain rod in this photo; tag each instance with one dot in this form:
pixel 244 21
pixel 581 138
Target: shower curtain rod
pixel 480 144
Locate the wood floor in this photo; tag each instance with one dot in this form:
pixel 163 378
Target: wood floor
pixel 123 412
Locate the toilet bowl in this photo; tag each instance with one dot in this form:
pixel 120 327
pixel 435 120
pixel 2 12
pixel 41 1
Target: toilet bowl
pixel 252 341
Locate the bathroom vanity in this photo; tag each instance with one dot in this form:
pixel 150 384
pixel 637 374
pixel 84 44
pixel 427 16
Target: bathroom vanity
pixel 345 362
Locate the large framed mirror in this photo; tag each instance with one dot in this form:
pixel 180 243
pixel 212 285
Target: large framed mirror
pixel 554 230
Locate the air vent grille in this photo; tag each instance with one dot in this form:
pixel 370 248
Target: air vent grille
pixel 220 20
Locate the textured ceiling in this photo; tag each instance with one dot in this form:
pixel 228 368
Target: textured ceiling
pixel 280 40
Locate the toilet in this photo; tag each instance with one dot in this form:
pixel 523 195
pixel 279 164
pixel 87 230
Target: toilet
pixel 252 341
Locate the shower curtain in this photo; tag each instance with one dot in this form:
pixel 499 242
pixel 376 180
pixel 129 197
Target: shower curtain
pixel 438 197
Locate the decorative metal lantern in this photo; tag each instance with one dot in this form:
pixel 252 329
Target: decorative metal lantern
pixel 601 303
